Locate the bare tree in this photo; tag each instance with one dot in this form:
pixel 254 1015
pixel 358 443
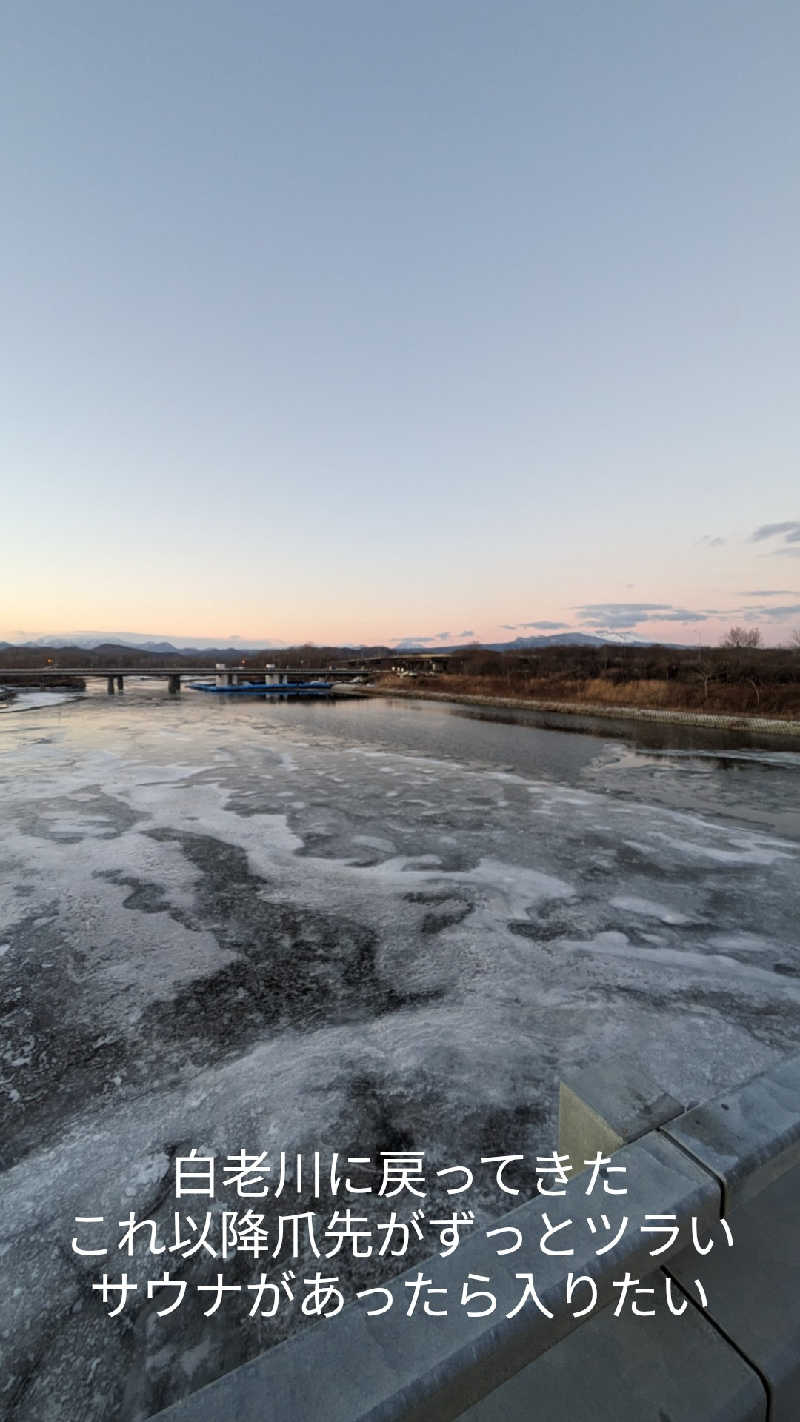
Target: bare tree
pixel 705 671
pixel 795 638
pixel 742 637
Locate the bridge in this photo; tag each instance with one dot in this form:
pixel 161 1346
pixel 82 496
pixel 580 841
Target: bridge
pixel 224 675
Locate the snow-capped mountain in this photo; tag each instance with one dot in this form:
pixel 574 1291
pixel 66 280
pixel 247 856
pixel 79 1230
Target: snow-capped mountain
pixel 147 642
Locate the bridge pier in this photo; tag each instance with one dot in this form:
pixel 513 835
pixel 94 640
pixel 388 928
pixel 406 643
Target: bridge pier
pixel 110 685
pixel 120 683
pixel 174 684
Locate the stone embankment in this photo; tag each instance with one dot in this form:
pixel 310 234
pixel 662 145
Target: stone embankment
pixel 762 724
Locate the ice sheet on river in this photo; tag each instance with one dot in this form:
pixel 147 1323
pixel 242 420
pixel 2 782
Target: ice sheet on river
pixel 230 931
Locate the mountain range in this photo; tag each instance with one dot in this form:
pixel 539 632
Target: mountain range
pixel 90 641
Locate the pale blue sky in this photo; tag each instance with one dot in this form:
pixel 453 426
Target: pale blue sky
pixel 368 320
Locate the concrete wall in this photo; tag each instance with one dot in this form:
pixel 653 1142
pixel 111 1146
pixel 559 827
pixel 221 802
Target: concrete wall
pixel 734 1360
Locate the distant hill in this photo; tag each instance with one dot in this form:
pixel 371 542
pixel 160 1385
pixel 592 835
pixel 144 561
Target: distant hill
pixel 116 646
pixel 559 639
pixel 522 644
pixel 90 641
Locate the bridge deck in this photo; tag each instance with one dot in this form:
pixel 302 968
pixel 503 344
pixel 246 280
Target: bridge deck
pixel 308 673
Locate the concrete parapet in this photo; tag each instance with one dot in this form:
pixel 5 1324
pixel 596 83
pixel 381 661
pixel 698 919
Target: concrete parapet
pixel 736 1360
pixel 632 1370
pixel 748 1137
pixel 609 1105
pixel 393 1367
pixel 754 1289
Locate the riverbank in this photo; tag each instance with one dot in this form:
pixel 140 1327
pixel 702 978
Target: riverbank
pixel 36 691
pixel 763 724
pixel 34 681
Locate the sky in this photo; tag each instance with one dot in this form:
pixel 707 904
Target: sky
pixel 371 322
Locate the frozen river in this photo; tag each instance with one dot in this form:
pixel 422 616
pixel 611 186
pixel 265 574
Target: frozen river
pixel 355 927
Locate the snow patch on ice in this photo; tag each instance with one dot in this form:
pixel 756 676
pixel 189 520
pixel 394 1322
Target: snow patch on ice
pixel 630 903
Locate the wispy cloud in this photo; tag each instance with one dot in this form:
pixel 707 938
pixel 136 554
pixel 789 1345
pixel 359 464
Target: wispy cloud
pixel 711 541
pixel 683 614
pixel 771 613
pixel 789 530
pixel 541 626
pixel 768 592
pixel 617 616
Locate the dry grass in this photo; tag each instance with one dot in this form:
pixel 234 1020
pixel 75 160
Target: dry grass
pixel 780 699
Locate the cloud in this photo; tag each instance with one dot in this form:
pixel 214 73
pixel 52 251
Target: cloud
pixel 421 641
pixel 768 592
pixel 712 542
pixel 543 626
pixel 613 616
pixel 682 614
pixel 468 632
pixel 789 531
pixel 772 614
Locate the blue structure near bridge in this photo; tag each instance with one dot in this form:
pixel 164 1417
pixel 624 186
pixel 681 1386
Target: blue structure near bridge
pixel 266 688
